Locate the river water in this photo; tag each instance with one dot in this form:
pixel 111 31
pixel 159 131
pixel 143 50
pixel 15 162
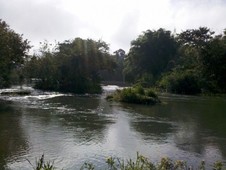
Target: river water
pixel 71 130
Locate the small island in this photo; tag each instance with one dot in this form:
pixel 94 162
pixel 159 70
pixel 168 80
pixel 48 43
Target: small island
pixel 136 95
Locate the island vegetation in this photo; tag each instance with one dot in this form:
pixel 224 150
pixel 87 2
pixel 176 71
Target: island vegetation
pixel 136 95
pixel 191 62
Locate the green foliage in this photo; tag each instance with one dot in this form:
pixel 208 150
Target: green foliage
pixel 180 82
pixel 151 93
pixel 150 53
pixel 213 65
pixel 195 37
pixel 140 163
pixel 146 80
pixel 188 63
pixel 139 90
pixel 41 164
pixel 113 74
pixel 200 66
pixel 13 50
pixel 137 95
pixel 73 67
pixel 218 165
pixel 191 62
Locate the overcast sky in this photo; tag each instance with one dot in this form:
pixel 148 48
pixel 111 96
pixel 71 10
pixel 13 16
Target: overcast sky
pixel 116 22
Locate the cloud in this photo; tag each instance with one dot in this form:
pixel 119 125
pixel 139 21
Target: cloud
pixel 117 22
pixel 39 21
pixel 127 30
pixel 190 14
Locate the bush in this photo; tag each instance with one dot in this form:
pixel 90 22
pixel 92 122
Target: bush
pixel 151 93
pixel 135 95
pixel 139 90
pixel 185 82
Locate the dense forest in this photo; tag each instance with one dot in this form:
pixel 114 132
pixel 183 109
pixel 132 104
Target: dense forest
pixel 74 66
pixel 191 62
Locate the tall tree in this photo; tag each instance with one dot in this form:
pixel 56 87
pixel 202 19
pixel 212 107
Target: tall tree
pixel 200 65
pixel 213 64
pixel 13 50
pixel 191 42
pixel 73 67
pixel 150 54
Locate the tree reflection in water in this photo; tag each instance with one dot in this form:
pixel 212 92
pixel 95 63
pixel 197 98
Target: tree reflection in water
pixel 13 141
pixel 72 129
pixel 195 124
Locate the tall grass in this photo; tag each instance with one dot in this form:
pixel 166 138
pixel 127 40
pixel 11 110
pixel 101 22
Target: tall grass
pixel 41 164
pixel 140 163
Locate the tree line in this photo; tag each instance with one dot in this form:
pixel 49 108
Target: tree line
pixel 73 67
pixel 191 62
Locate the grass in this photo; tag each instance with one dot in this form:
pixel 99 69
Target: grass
pixel 41 164
pixel 140 163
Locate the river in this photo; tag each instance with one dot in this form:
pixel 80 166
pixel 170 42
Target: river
pixel 71 130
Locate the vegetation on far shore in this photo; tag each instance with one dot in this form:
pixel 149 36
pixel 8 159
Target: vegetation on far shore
pixel 191 62
pixel 136 95
pixel 140 163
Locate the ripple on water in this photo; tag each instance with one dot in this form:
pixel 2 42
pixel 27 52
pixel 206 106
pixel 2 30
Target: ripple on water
pixel 74 130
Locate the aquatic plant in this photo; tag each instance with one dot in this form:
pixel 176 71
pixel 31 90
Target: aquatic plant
pixel 41 164
pixel 137 95
pixel 140 163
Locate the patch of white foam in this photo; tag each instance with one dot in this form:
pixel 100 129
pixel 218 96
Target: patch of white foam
pixel 111 87
pixel 44 96
pixel 17 88
pixel 35 94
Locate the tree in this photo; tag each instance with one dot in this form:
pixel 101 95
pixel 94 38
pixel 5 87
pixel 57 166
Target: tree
pixel 200 65
pixel 213 65
pixel 150 54
pixel 195 37
pixel 73 67
pixel 191 42
pixel 13 50
pixel 81 62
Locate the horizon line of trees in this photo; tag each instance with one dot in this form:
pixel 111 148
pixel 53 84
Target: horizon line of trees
pixel 73 67
pixel 191 62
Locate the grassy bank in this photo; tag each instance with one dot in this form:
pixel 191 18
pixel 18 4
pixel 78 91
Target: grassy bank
pixel 140 163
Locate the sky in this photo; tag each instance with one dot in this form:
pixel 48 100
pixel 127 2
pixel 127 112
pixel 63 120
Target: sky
pixel 116 22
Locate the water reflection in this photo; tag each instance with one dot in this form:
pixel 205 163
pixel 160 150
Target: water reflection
pixel 13 141
pixel 85 116
pixel 193 124
pixel 72 130
pixel 69 129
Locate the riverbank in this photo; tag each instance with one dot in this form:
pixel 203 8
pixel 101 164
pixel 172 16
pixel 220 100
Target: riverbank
pixel 140 163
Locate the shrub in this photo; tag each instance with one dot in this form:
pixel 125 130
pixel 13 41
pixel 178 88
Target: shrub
pixel 151 93
pixel 185 82
pixel 135 95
